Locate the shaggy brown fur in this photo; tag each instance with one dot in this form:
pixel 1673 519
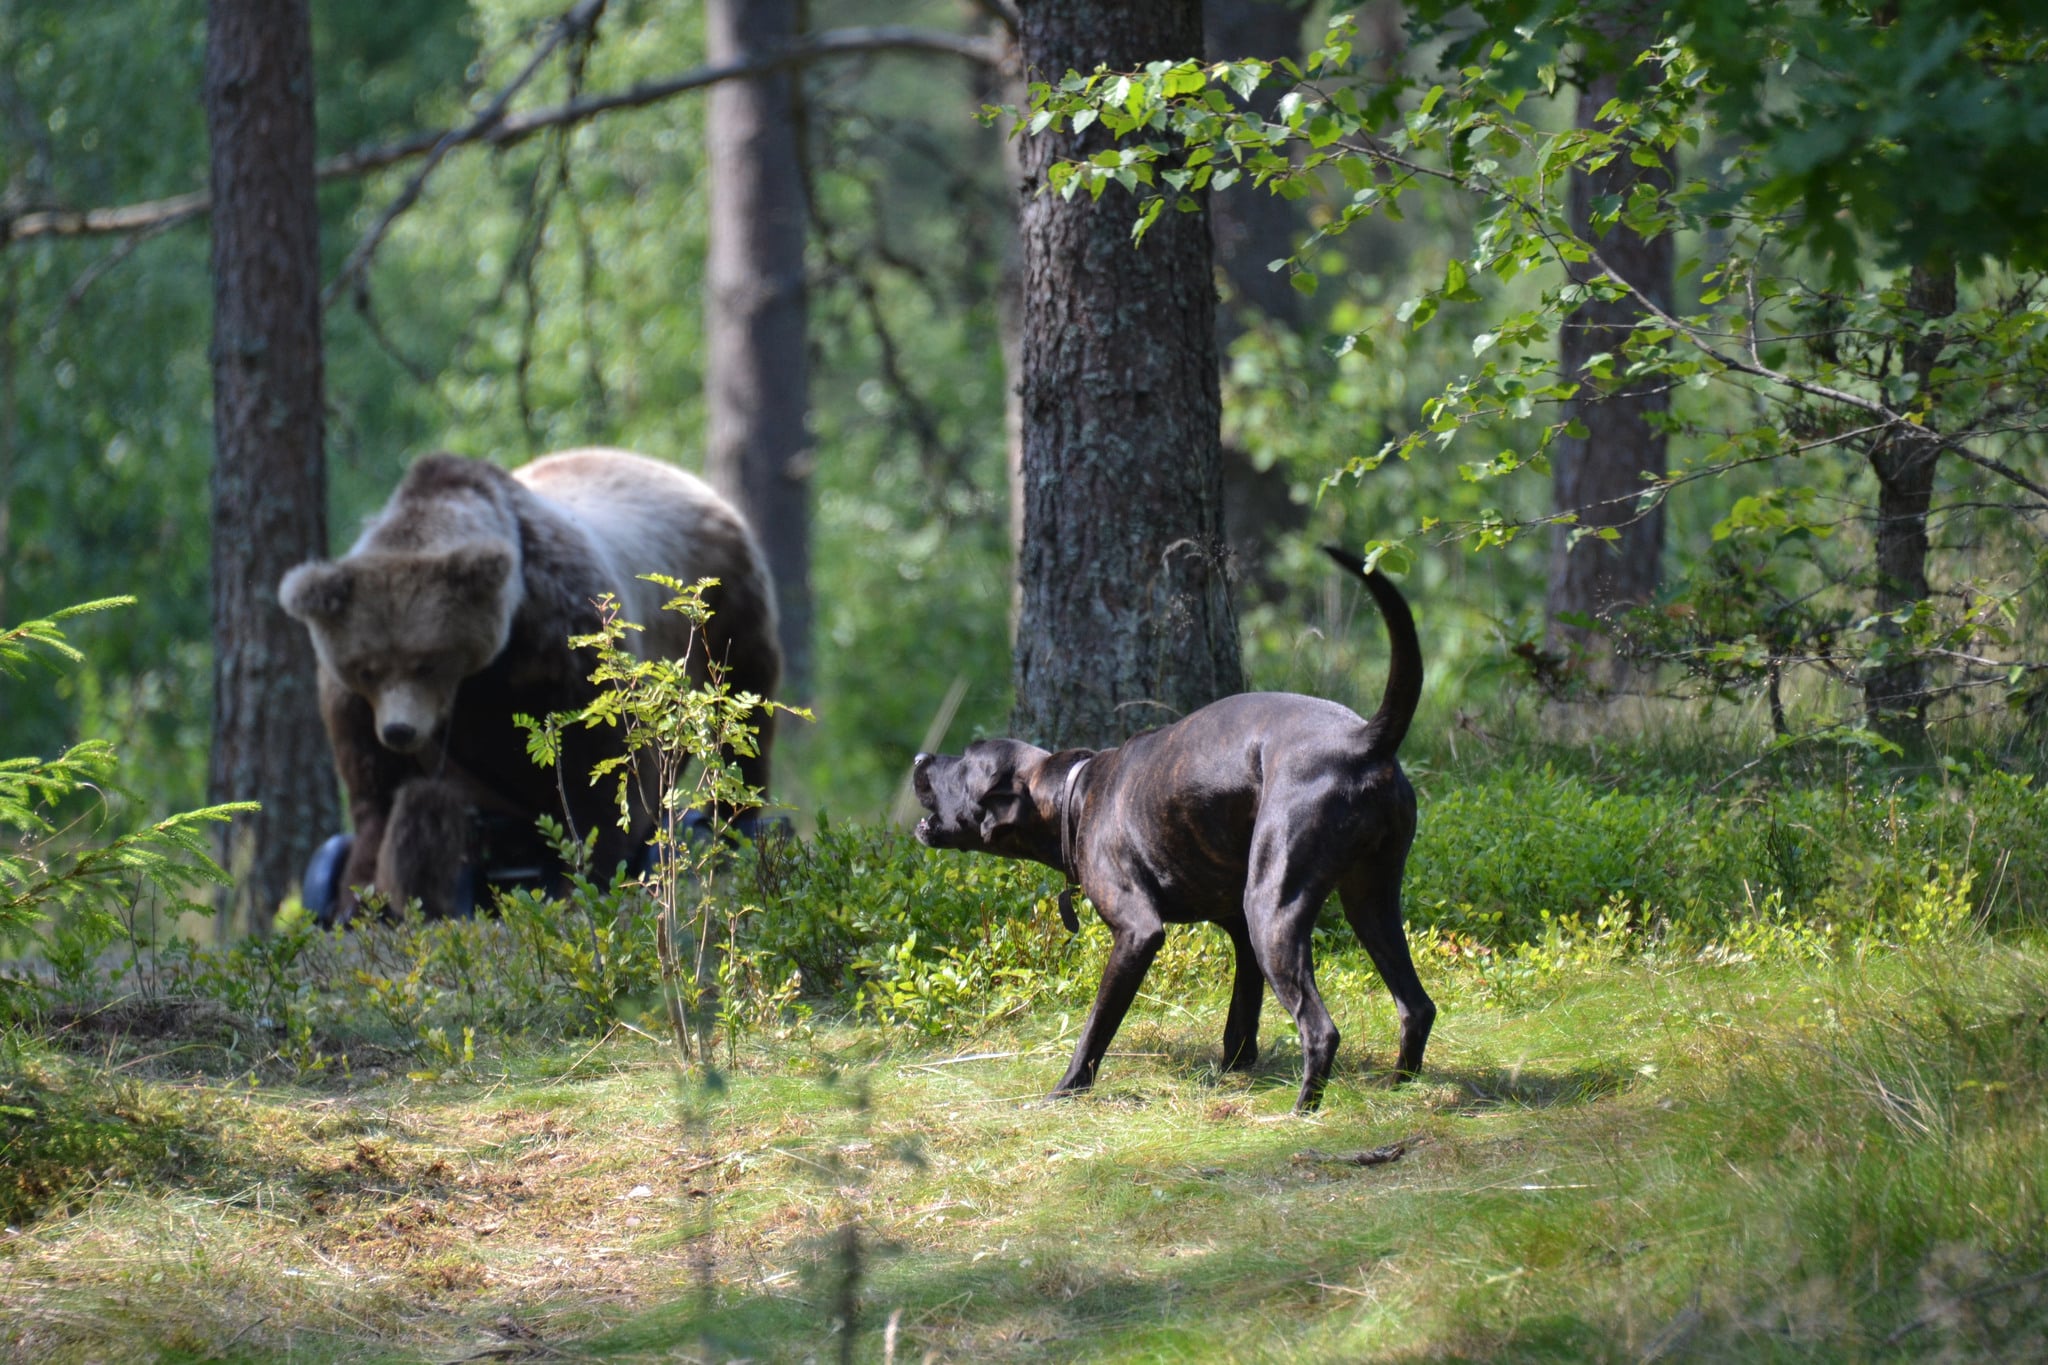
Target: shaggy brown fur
pixel 452 613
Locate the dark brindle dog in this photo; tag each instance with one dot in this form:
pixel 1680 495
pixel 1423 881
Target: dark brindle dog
pixel 1246 814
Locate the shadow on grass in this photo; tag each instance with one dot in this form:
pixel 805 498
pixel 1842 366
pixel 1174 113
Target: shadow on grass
pixel 1237 1260
pixel 1531 1088
pixel 1149 1057
pixel 1052 1302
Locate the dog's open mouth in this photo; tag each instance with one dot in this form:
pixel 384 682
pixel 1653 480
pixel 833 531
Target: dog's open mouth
pixel 930 802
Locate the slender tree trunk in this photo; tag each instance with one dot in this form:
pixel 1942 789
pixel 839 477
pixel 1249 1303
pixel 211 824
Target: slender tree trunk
pixel 1895 688
pixel 10 418
pixel 269 474
pixel 1599 475
pixel 758 445
pixel 1003 87
pixel 1127 619
pixel 1251 229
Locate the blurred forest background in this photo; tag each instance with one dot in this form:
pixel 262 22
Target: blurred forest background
pixel 553 292
pixel 1685 359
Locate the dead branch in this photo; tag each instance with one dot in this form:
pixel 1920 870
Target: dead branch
pixel 579 22
pixel 513 128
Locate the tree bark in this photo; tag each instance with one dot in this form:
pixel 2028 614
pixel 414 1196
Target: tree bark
pixel 1895 687
pixel 758 444
pixel 1599 475
pixel 269 474
pixel 1126 618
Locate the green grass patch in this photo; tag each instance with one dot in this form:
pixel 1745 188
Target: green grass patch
pixel 1723 1159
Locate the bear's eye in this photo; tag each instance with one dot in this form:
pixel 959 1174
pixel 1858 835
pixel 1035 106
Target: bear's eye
pixel 423 670
pixel 368 675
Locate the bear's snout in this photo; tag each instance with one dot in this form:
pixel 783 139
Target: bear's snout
pixel 407 716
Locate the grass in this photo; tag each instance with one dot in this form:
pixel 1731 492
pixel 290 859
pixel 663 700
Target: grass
pixel 1675 1160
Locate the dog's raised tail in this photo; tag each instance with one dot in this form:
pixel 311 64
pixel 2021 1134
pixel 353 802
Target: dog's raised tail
pixel 1389 724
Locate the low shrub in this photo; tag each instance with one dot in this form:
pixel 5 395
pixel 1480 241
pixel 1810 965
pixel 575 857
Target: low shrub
pixel 875 921
pixel 1501 854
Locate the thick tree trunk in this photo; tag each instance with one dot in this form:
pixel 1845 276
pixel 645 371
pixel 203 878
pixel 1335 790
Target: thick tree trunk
pixel 1598 476
pixel 270 474
pixel 758 445
pixel 1126 619
pixel 1895 689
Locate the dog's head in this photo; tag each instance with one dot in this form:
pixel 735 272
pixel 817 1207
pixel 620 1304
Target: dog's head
pixel 983 800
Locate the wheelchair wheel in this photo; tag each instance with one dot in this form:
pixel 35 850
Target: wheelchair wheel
pixel 320 891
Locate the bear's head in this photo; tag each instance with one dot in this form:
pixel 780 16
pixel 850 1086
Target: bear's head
pixel 402 631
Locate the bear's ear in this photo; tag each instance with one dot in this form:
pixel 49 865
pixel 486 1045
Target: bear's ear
pixel 317 592
pixel 477 573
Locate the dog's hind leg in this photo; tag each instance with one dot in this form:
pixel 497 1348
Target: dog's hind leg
pixel 1281 901
pixel 1372 903
pixel 1136 935
pixel 1247 994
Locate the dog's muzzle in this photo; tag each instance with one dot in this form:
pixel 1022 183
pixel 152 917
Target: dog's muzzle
pixel 921 787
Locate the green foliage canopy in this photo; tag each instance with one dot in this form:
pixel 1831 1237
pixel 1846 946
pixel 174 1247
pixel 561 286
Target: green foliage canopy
pixel 1919 126
pixel 1775 369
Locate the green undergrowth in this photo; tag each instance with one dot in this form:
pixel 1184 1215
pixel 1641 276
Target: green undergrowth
pixel 1502 848
pixel 1523 873
pixel 1703 1160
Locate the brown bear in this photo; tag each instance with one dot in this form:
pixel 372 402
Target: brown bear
pixel 452 613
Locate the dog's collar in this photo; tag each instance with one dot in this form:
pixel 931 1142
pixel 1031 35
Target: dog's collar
pixel 1068 821
pixel 1069 831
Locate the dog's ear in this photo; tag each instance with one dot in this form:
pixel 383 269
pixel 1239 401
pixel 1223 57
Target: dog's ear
pixel 1000 811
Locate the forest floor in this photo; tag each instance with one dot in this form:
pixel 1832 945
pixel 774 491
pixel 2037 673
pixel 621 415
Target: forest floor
pixel 1725 1160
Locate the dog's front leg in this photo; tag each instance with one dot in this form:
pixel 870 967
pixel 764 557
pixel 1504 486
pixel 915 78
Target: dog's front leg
pixel 1136 935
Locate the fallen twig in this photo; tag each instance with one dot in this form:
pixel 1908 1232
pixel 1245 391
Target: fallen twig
pixel 1377 1156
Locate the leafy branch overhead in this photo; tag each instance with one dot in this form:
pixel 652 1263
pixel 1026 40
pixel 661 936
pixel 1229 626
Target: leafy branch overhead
pixel 1789 369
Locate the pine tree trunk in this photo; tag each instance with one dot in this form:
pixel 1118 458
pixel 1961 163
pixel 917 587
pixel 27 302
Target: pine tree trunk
pixel 1599 475
pixel 270 473
pixel 1126 617
pixel 758 445
pixel 1895 689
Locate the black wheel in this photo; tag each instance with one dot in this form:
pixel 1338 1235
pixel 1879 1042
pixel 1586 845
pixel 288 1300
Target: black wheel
pixel 320 891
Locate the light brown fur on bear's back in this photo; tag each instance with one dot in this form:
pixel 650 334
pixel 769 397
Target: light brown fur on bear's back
pixel 642 516
pixel 443 501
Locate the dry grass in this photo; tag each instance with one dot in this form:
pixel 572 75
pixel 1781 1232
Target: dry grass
pixel 1587 1186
